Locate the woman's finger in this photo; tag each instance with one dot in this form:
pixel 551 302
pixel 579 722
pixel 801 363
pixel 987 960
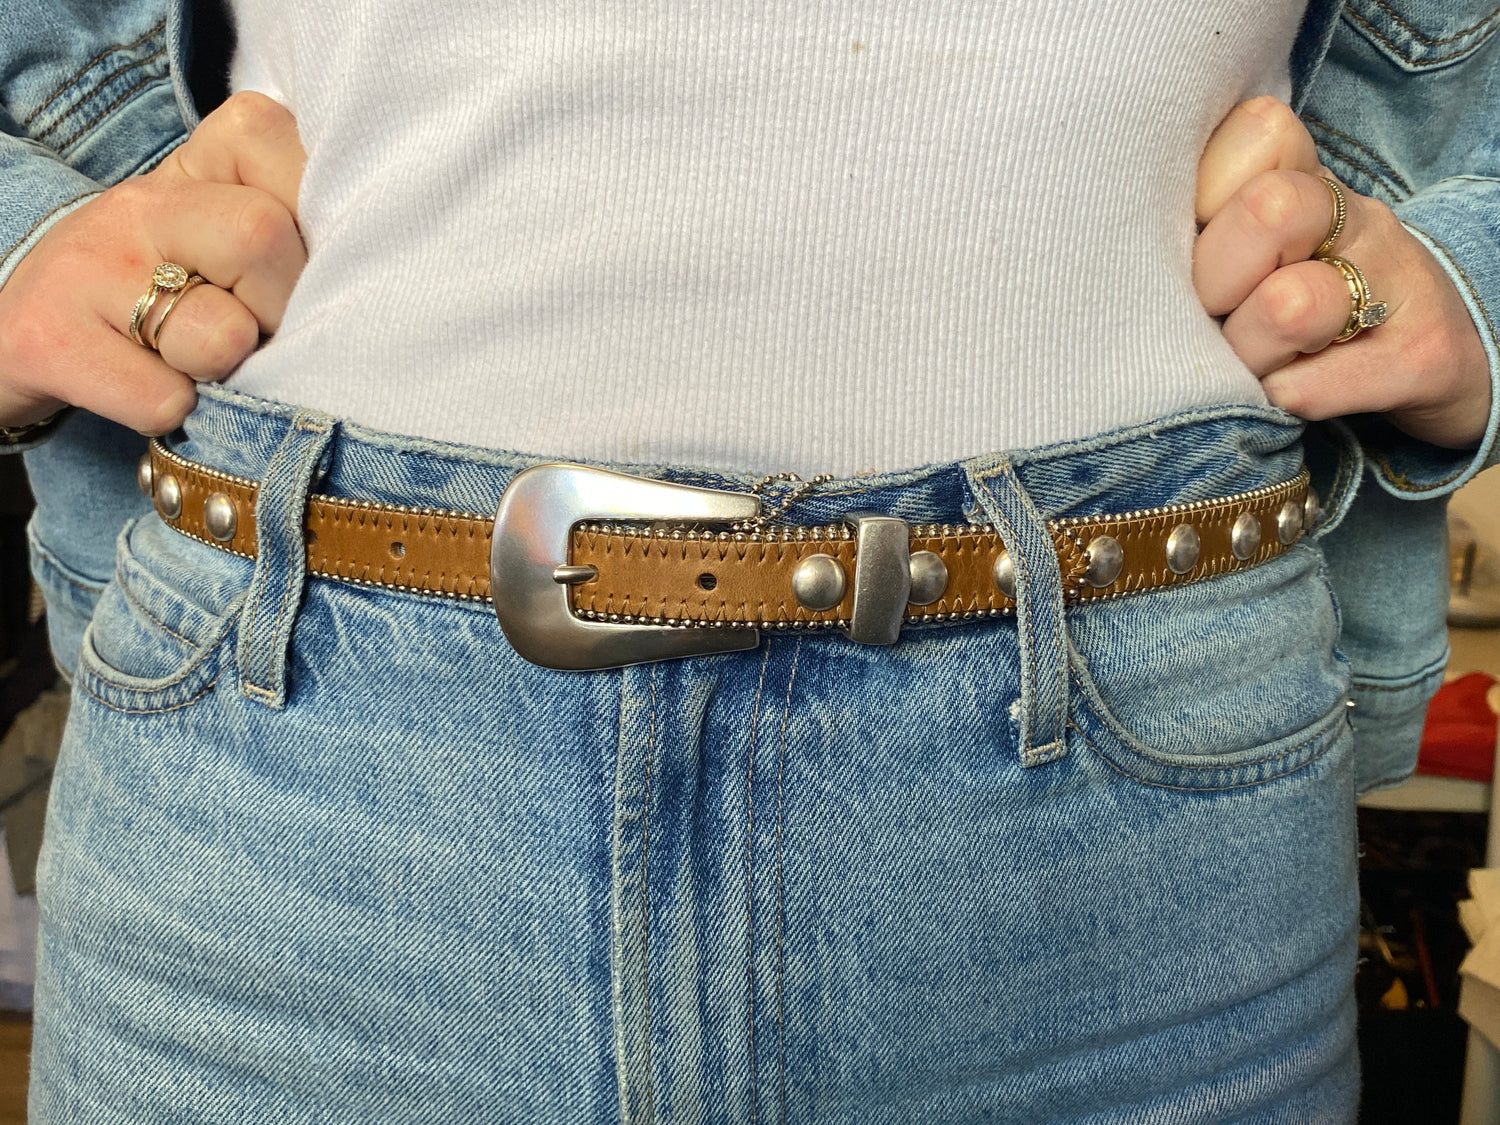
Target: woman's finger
pixel 1260 135
pixel 207 335
pixel 1274 220
pixel 1298 309
pixel 98 370
pixel 249 140
pixel 239 238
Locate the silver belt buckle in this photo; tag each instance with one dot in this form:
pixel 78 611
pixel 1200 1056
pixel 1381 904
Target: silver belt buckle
pixel 530 575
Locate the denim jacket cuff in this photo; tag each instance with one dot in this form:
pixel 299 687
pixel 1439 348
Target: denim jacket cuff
pixel 1456 220
pixel 36 190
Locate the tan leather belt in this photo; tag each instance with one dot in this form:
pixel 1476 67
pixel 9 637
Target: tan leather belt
pixel 598 569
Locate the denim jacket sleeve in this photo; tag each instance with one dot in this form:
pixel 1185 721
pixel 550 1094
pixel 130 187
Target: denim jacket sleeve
pixel 88 96
pixel 1403 97
pixel 91 92
pixel 1405 107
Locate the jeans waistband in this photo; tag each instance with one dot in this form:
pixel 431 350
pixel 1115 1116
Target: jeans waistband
pixel 1191 456
pixel 1194 455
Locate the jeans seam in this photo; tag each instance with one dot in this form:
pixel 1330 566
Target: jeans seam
pixel 786 712
pixel 750 877
pixel 1302 764
pixel 646 901
pixel 82 686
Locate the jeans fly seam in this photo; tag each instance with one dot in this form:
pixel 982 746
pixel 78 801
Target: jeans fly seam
pixel 617 915
pixel 646 902
pixel 786 712
pixel 750 876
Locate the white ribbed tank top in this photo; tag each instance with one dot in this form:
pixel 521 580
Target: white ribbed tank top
pixel 806 235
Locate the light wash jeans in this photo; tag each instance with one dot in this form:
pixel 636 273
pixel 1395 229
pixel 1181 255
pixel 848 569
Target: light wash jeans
pixel 324 853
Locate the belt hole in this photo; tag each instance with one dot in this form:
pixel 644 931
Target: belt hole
pixel 707 581
pixel 398 550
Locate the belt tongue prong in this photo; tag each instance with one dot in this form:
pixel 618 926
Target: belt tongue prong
pixel 573 575
pixel 882 577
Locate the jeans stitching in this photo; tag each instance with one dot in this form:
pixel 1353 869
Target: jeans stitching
pixel 646 901
pixel 786 712
pixel 97 698
pixel 1105 758
pixel 750 876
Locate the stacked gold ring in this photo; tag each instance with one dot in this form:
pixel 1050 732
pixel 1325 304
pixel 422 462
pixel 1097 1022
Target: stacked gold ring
pixel 168 277
pixel 1363 312
pixel 1336 224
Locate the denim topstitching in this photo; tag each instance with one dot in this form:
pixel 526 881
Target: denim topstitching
pixel 786 712
pixel 750 872
pixel 86 67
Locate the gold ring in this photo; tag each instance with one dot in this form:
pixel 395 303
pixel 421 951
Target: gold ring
pixel 1335 224
pixel 1363 312
pixel 168 277
pixel 192 283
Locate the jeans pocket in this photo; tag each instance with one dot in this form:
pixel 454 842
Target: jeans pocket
pixel 1420 35
pixel 1218 684
pixel 162 630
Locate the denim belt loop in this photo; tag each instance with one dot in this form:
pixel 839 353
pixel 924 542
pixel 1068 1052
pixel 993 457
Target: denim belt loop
pixel 1042 717
pixel 281 563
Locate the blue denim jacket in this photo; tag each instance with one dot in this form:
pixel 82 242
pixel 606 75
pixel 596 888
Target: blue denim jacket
pixel 1401 95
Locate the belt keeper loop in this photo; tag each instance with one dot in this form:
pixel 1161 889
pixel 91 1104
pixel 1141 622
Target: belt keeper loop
pixel 1040 623
pixel 277 584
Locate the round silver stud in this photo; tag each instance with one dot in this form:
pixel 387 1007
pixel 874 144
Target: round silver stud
pixel 1311 509
pixel 1005 575
pixel 145 475
pixel 1289 522
pixel 1244 539
pixel 1106 560
pixel 220 517
pixel 819 582
pixel 929 577
pixel 169 496
pixel 1183 548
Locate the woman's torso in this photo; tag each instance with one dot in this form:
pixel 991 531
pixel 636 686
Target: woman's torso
pixel 827 237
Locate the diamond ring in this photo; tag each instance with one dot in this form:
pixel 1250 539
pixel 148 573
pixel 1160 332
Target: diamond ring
pixel 1363 312
pixel 168 277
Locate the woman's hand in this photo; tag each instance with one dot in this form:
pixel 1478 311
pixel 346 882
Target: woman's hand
pixel 222 205
pixel 1263 212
